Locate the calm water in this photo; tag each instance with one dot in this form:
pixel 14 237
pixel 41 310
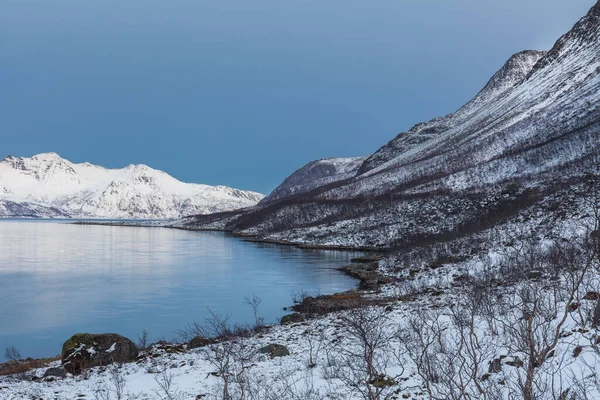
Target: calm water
pixel 57 279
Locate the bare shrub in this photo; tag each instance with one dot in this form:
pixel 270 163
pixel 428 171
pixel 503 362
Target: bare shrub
pixel 299 297
pixel 166 389
pixel 12 354
pixel 142 340
pixel 254 302
pixel 114 387
pixel 425 341
pixel 286 384
pixel 363 353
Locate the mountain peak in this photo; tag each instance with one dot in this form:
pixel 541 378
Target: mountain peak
pixel 47 156
pixel 585 33
pixel 514 71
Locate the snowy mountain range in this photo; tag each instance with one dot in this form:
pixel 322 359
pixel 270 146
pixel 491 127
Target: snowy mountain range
pixel 49 186
pixel 530 135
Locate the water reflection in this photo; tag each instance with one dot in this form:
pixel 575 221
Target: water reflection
pixel 57 279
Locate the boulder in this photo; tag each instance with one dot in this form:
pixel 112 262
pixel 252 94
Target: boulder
pixel 85 350
pixel 58 372
pixel 495 366
pixel 292 318
pixel 275 350
pixel 199 341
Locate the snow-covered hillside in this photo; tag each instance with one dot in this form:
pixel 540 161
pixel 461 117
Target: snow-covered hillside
pixel 532 130
pixel 316 174
pixel 47 185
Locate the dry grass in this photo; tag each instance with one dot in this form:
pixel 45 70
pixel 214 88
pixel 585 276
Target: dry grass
pixel 19 367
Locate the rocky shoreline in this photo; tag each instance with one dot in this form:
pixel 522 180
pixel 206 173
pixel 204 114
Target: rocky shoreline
pixel 364 269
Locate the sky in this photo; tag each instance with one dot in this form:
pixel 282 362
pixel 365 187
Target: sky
pixel 242 93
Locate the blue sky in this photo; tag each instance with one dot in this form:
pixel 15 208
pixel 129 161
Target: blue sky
pixel 240 92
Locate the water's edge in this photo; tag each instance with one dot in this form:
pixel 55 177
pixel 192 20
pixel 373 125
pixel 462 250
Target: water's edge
pixel 245 238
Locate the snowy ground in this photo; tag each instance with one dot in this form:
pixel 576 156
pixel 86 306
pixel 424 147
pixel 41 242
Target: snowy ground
pixel 322 350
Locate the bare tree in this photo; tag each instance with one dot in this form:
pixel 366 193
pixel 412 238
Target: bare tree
pixel 114 387
pixel 537 313
pixel 142 339
pixel 254 302
pixel 166 389
pixel 363 353
pixel 12 354
pixel 315 341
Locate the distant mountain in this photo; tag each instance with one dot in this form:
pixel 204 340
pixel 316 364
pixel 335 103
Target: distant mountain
pixel 530 135
pixel 47 185
pixel 315 174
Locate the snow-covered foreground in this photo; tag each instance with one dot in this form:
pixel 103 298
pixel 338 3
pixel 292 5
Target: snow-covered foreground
pixel 485 328
pixel 191 374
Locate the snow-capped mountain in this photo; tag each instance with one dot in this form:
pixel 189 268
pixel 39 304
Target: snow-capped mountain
pixel 315 174
pixel 47 185
pixel 531 134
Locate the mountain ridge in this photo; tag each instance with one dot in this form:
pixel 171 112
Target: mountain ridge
pixel 530 134
pixel 47 185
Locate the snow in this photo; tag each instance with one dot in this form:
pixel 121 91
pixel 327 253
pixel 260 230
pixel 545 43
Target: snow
pixel 49 182
pixel 315 174
pixel 537 121
pixel 313 345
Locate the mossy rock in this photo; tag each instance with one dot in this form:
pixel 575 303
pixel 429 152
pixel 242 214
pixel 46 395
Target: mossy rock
pixel 85 350
pixel 382 381
pixel 292 319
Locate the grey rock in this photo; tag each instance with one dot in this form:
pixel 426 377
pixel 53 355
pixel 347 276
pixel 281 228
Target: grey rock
pixel 292 318
pixel 58 372
pixel 275 350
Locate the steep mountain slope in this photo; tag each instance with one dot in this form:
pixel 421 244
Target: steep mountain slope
pixel 532 132
pixel 315 174
pixel 510 75
pixel 47 185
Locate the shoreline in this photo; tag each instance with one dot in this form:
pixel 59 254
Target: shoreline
pixel 245 236
pixel 363 282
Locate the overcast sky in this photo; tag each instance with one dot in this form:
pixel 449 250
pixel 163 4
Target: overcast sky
pixel 240 92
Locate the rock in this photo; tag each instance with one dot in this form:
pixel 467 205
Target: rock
pixel 368 274
pixel 275 350
pixel 382 381
pixel 292 318
pixel 329 303
pixel 495 366
pixel 534 274
pixel 592 296
pixel 517 362
pixel 85 350
pixel 58 372
pixel 160 349
pixel 199 341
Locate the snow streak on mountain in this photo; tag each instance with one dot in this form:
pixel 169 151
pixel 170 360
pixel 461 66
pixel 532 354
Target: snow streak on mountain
pixel 47 185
